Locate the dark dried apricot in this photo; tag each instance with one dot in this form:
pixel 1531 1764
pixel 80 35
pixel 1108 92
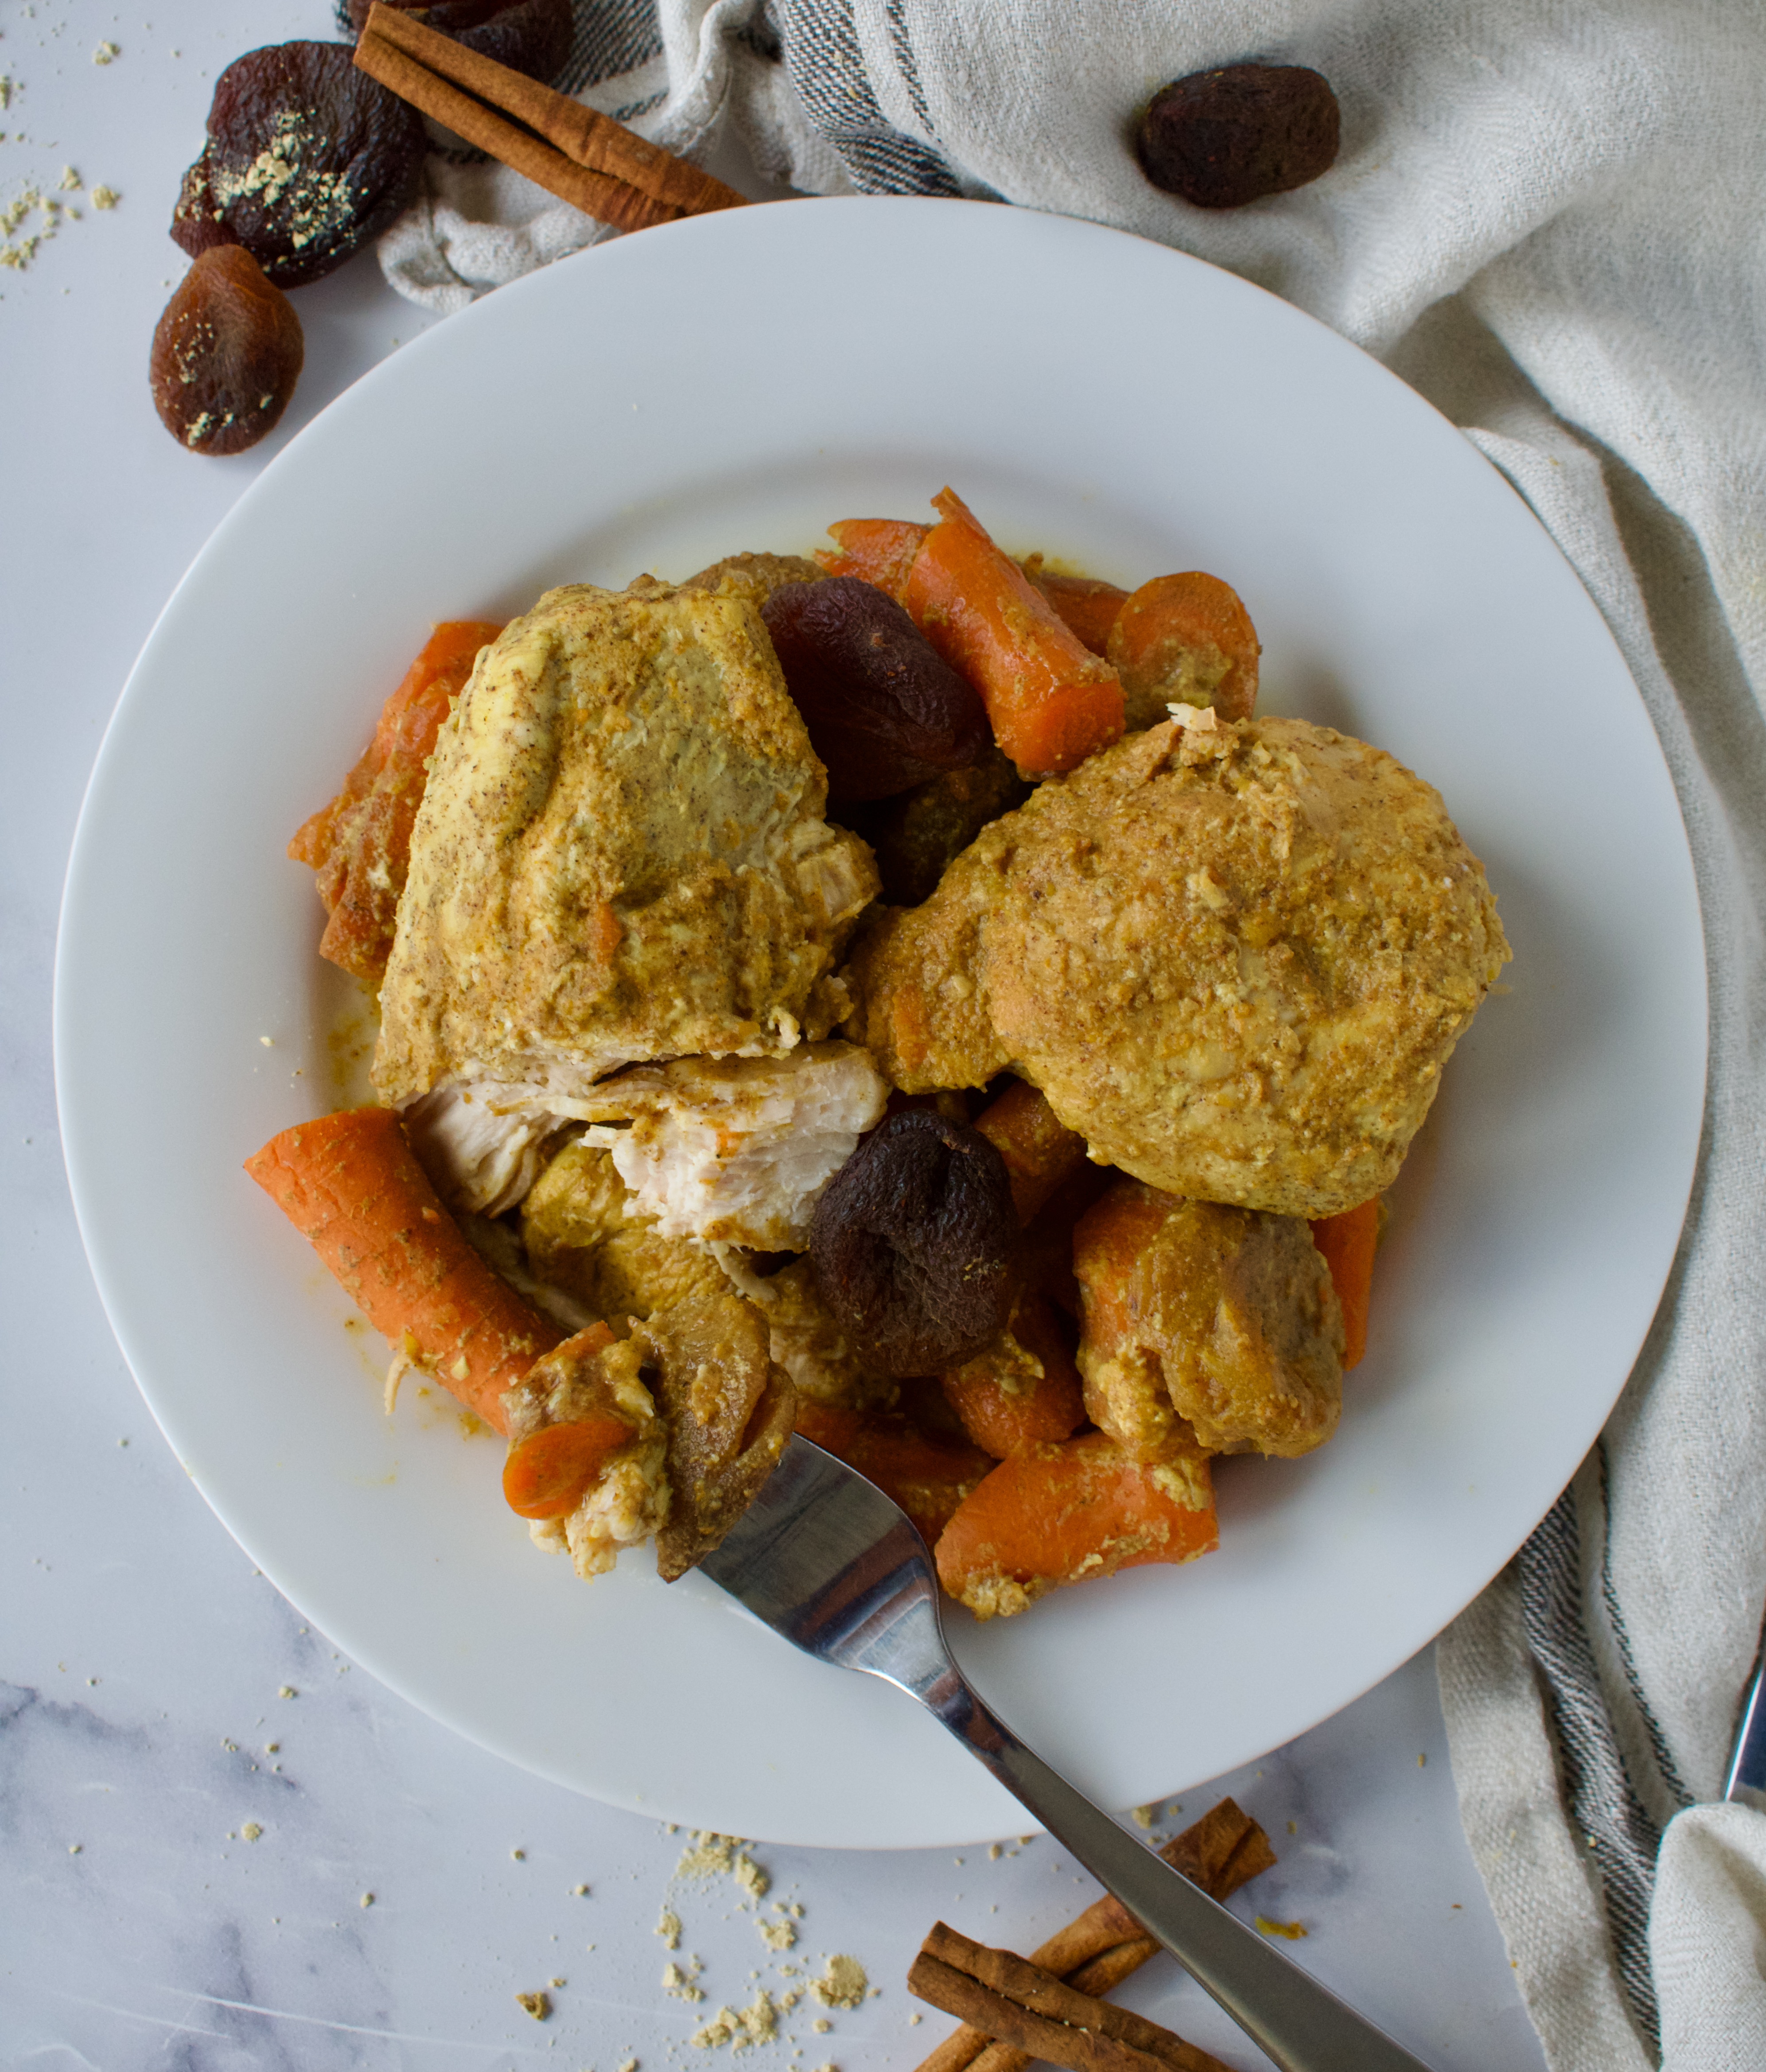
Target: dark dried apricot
pixel 911 1243
pixel 884 711
pixel 1220 139
pixel 227 354
pixel 532 36
pixel 916 836
pixel 307 158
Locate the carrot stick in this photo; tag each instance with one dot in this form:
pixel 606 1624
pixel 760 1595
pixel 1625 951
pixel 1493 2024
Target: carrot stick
pixel 350 1183
pixel 876 550
pixel 1086 604
pixel 1045 1253
pixel 360 843
pixel 545 1474
pixel 1349 1242
pixel 927 1477
pixel 1185 639
pixel 1040 1152
pixel 1061 1513
pixel 1051 702
pixel 1023 1388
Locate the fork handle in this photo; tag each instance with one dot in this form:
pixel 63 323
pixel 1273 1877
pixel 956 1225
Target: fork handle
pixel 1302 2026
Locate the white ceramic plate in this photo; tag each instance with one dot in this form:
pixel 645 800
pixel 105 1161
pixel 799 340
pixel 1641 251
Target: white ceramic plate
pixel 740 381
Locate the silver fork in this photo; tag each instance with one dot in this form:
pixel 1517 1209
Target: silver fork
pixel 828 1561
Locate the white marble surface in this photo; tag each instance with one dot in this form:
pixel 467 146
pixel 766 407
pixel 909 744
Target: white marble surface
pixel 141 1659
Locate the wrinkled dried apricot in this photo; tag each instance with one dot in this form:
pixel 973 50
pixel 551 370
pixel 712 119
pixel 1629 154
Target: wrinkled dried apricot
pixel 911 1242
pixel 227 354
pixel 1220 139
pixel 307 159
pixel 918 834
pixel 532 36
pixel 885 710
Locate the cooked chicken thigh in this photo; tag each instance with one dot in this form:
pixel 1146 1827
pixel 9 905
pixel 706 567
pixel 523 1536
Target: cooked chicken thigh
pixel 620 856
pixel 1234 956
pixel 1225 1319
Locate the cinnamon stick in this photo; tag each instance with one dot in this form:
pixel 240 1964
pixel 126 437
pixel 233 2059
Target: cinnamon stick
pixel 1035 2012
pixel 1106 1944
pixel 583 157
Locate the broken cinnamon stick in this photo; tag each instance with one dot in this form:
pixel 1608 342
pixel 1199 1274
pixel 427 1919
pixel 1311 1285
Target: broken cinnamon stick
pixel 581 156
pixel 1031 2009
pixel 1222 1851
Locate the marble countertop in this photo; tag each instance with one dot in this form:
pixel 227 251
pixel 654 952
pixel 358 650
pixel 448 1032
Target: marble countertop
pixel 224 1845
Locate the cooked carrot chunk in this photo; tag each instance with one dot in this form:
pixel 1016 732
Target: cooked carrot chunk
pixel 1065 1513
pixel 1349 1242
pixel 927 1477
pixel 351 1185
pixel 1052 702
pixel 546 1474
pixel 1023 1388
pixel 876 550
pixel 360 843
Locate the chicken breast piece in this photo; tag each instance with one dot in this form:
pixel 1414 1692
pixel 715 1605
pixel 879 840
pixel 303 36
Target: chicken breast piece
pixel 1219 1319
pixel 738 1151
pixel 709 1415
pixel 1234 956
pixel 620 856
pixel 630 1499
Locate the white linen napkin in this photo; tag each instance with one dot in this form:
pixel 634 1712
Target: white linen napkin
pixel 1549 216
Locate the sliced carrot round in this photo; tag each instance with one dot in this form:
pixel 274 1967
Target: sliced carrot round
pixel 1186 638
pixel 549 1473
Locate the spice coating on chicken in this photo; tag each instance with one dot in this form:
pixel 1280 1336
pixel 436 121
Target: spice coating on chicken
pixel 583 1234
pixel 1235 957
pixel 1223 1319
pixel 620 856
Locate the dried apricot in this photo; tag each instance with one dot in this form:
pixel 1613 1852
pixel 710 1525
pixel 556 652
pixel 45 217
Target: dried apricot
pixel 911 1243
pixel 532 36
pixel 227 354
pixel 1219 139
pixel 885 710
pixel 307 159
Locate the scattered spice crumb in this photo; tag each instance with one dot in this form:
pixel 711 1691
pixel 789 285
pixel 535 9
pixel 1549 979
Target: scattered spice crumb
pixel 913 2021
pixel 680 1983
pixel 1144 1815
pixel 74 1849
pixel 739 2027
pixel 287 1689
pixel 777 1934
pixel 251 1832
pixel 631 2065
pixel 517 1856
pixel 105 197
pixel 105 52
pixel 1422 1761
pixel 994 1852
pixel 367 1899
pixel 712 1855
pixel 273 1748
pixel 1292 1929
pixel 843 1983
pixel 579 1892
pixel 554 1984
pixel 1294 1827
pixel 536 2004
pixel 71 181
pixel 821 2025
pixel 668 1928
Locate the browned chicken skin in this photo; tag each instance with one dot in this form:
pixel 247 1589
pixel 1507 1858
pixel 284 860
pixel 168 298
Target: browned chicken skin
pixel 1235 958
